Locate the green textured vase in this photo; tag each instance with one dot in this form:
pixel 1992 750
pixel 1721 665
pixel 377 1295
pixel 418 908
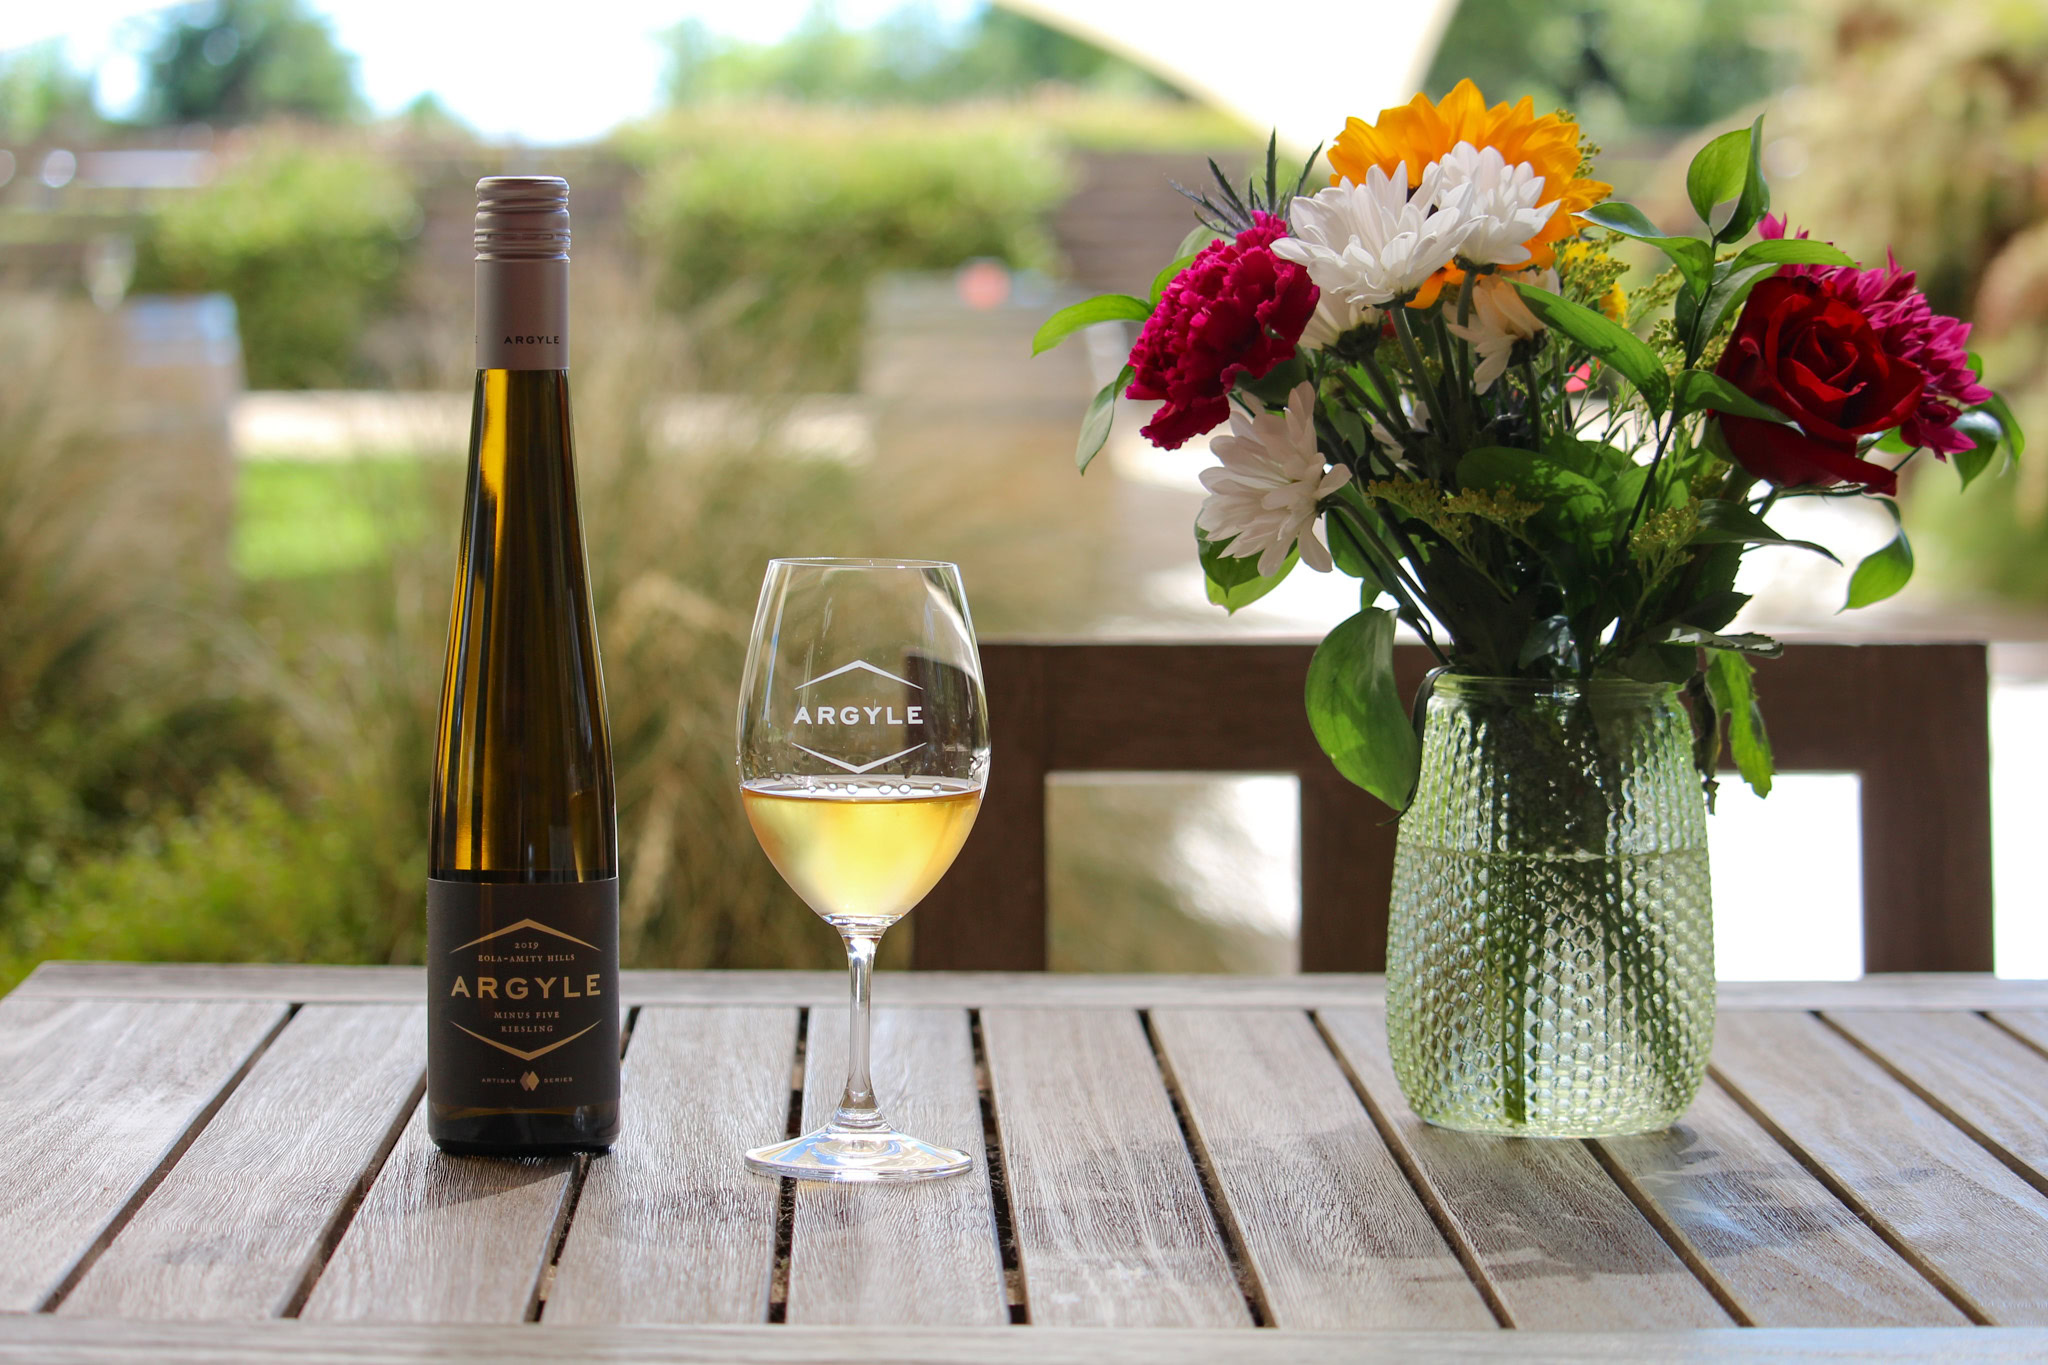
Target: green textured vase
pixel 1550 954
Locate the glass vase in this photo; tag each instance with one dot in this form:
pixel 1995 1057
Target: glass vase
pixel 1550 953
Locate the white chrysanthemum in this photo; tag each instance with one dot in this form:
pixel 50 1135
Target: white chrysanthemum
pixel 1262 499
pixel 1334 316
pixel 1373 243
pixel 1499 320
pixel 1500 200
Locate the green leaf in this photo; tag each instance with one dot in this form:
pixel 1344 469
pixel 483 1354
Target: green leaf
pixel 1704 389
pixel 1884 573
pixel 1550 638
pixel 1198 237
pixel 1614 345
pixel 1731 683
pixel 1790 251
pixel 2015 438
pixel 1356 712
pixel 1165 277
pixel 1763 646
pixel 1985 431
pixel 1716 174
pixel 1234 581
pixel 1276 385
pixel 1660 664
pixel 1731 523
pixel 1101 412
pixel 1086 313
pixel 1755 200
pixel 1693 257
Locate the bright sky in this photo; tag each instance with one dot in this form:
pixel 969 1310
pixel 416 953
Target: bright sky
pixel 535 72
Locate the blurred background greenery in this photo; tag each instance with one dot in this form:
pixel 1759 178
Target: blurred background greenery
pixel 217 680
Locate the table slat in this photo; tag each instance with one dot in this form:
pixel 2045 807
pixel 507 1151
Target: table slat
pixel 445 1238
pixel 2031 1026
pixel 1335 1233
pixel 41 1341
pixel 1785 1250
pixel 671 1226
pixel 1112 1227
pixel 1955 1208
pixel 1561 1246
pixel 915 1255
pixel 244 1218
pixel 968 990
pixel 1974 1071
pixel 94 1095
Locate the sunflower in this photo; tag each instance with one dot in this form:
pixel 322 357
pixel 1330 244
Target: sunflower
pixel 1420 132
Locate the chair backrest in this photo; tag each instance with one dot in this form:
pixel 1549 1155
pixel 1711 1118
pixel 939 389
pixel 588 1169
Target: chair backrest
pixel 1911 720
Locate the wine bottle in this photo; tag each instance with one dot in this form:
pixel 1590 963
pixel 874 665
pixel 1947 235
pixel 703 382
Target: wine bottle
pixel 522 891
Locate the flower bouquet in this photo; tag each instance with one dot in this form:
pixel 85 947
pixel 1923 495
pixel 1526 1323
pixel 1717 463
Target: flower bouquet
pixel 1435 382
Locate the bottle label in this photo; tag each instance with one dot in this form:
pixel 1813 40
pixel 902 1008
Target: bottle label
pixel 522 315
pixel 522 994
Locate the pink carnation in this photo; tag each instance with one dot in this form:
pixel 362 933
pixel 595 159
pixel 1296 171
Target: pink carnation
pixel 1909 330
pixel 1237 309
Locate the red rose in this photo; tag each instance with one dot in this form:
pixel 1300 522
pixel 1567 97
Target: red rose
pixel 1818 360
pixel 1236 309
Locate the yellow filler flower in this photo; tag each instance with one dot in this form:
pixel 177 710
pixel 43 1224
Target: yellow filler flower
pixel 1420 132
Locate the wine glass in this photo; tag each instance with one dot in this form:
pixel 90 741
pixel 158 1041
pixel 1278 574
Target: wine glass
pixel 863 749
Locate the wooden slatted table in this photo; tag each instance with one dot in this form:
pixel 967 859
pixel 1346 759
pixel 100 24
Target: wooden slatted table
pixel 229 1163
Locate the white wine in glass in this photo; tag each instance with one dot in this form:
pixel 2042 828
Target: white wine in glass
pixel 863 751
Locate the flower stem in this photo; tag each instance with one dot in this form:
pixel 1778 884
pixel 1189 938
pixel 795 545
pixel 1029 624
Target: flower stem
pixel 1414 355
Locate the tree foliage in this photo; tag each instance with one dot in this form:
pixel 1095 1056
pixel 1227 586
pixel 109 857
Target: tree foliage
pixel 908 58
pixel 1616 63
pixel 241 61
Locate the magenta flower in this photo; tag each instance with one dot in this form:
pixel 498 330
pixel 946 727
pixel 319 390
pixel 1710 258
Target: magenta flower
pixel 1236 309
pixel 1909 330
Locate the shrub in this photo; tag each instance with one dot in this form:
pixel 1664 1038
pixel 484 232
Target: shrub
pixel 310 238
pixel 769 223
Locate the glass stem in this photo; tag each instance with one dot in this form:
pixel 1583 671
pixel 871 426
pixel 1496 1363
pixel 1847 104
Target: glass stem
pixel 857 1108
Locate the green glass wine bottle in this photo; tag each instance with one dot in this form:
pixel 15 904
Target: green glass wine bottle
pixel 522 896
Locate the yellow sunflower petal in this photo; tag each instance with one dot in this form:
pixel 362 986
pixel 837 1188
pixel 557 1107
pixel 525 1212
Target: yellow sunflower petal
pixel 1419 132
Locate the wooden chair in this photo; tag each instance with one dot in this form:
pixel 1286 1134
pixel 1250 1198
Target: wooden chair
pixel 1912 720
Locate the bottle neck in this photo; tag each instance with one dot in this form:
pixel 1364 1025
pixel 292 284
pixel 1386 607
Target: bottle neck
pixel 522 314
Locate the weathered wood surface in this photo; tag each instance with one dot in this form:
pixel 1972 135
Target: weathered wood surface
pixel 1951 1207
pixel 1178 1177
pixel 1561 1246
pixel 41 1341
pixel 921 1255
pixel 1336 1236
pixel 1112 1227
pixel 671 1226
pixel 445 1238
pixel 966 990
pixel 95 1099
pixel 1778 1245
pixel 242 1223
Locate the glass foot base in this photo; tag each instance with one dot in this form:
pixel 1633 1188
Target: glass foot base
pixel 853 1154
